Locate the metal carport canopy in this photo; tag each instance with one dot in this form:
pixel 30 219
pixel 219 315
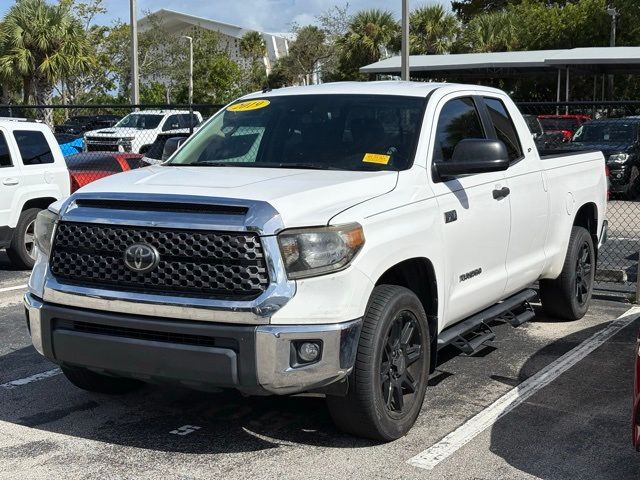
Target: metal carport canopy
pixel 500 64
pixel 469 64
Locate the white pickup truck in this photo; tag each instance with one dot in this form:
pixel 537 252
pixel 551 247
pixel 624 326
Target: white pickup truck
pixel 326 238
pixel 33 174
pixel 138 131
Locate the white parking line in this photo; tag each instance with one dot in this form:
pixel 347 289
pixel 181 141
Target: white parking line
pixel 11 289
pixel 432 456
pixel 185 430
pixel 33 378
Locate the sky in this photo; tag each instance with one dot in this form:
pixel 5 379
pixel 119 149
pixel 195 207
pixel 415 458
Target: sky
pixel 264 15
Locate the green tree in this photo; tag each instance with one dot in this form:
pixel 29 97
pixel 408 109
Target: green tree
pixel 488 32
pixel 370 36
pixel 253 47
pixel 42 43
pixel 433 30
pixel 307 53
pixel 466 10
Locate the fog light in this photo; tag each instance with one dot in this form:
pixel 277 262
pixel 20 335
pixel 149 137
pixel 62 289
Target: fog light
pixel 309 352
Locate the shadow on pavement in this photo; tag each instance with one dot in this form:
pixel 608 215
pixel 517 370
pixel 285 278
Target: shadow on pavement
pixel 570 431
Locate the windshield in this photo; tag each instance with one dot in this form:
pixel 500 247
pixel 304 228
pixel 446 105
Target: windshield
pixel 613 132
pixel 141 121
pixel 559 123
pixel 345 132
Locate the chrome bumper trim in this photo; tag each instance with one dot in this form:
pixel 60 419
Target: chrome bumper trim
pixel 33 306
pixel 273 356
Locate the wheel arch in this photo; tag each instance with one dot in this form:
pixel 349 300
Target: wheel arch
pixel 587 217
pixel 40 203
pixel 419 276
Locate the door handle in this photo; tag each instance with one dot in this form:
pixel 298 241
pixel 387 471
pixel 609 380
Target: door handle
pixel 501 193
pixel 10 182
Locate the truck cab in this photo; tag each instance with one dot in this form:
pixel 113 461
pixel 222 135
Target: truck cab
pixel 33 175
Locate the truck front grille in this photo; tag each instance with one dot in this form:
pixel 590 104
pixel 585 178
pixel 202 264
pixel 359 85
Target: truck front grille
pixel 221 265
pixel 101 144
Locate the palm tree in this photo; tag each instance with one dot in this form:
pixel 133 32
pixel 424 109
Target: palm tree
pixel 42 43
pixel 369 37
pixel 253 47
pixel 489 32
pixel 433 30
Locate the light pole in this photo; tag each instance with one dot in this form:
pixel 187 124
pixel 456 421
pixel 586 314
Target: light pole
pixel 404 53
pixel 135 78
pixel 613 12
pixel 190 81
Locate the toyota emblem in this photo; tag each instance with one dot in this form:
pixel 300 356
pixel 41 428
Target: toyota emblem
pixel 141 258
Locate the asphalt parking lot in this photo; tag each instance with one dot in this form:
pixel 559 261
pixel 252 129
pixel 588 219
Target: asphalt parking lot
pixel 575 427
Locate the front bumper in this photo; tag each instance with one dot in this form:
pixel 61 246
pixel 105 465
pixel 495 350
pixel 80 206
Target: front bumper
pixel 256 359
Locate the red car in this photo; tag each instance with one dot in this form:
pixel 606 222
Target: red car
pixel 564 124
pixel 88 167
pixel 635 420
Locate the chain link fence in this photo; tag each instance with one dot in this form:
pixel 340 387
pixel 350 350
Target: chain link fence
pixel 101 140
pixel 614 129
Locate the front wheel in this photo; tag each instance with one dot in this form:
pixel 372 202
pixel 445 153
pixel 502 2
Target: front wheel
pixel 22 250
pixel 389 380
pixel 568 296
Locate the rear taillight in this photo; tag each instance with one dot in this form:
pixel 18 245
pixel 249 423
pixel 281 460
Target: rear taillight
pixel 607 173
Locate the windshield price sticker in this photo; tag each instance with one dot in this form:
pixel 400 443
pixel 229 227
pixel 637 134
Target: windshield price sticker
pixel 248 106
pixel 376 158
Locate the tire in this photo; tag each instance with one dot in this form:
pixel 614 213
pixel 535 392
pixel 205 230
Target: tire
pixel 94 382
pixel 366 410
pixel 568 296
pixel 21 250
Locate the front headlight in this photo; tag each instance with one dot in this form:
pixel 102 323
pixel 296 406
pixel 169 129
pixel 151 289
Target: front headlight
pixel 618 158
pixel 45 224
pixel 309 252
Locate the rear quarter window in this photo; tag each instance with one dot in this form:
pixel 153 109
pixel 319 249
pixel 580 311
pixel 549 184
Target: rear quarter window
pixel 33 146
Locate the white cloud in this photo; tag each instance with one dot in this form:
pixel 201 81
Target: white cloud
pixel 267 15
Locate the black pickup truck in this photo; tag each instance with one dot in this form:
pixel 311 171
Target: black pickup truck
pixel 618 140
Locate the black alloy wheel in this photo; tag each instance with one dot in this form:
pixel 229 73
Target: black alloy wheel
pixel 400 370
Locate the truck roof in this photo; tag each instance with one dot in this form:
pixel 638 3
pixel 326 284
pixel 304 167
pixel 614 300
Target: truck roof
pixel 388 87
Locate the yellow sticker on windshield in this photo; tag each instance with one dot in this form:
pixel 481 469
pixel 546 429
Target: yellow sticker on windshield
pixel 376 158
pixel 248 105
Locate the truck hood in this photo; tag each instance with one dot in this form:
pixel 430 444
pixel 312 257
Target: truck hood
pixel 115 132
pixel 302 197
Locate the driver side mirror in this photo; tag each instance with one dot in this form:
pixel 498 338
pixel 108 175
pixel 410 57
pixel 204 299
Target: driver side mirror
pixel 474 155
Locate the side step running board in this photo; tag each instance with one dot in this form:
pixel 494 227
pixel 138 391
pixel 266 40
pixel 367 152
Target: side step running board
pixel 477 324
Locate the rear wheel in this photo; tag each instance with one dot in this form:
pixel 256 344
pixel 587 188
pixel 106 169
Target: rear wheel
pixel 95 382
pixel 22 250
pixel 389 380
pixel 568 296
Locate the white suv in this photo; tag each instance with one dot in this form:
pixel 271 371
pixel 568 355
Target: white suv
pixel 137 131
pixel 33 174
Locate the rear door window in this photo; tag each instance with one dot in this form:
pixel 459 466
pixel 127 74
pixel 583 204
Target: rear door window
pixel 34 148
pixel 504 127
pixel 5 156
pixel 172 123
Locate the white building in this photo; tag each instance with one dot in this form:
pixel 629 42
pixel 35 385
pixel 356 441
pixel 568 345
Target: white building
pixel 176 23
